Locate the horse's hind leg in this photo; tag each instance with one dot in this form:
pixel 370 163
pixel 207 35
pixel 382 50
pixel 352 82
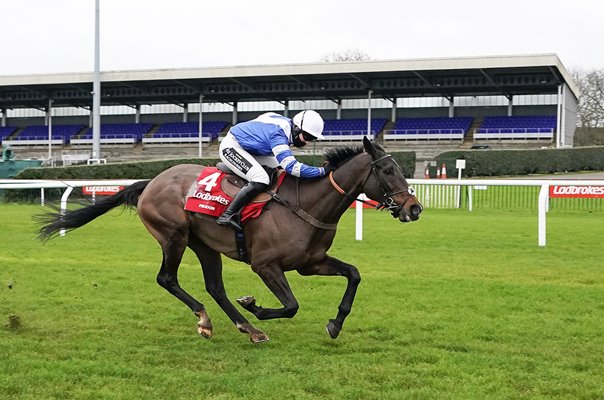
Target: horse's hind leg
pixel 332 266
pixel 168 278
pixel 211 264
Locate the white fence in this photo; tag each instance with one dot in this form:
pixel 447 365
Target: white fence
pixel 444 192
pixel 542 200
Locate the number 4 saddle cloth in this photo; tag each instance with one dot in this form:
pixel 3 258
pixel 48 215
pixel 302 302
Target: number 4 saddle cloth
pixel 214 190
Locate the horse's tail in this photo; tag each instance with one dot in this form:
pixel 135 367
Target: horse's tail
pixel 53 222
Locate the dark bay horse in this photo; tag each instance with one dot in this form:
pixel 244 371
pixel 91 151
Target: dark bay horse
pixel 294 235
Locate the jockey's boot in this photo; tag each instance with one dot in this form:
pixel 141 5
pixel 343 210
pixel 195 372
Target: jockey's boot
pixel 231 215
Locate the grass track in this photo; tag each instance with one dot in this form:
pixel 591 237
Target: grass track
pixel 456 306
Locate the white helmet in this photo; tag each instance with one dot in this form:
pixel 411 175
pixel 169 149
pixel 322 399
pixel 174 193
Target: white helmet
pixel 311 122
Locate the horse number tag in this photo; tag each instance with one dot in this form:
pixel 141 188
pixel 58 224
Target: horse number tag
pixel 209 181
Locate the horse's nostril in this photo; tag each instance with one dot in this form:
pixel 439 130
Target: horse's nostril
pixel 415 210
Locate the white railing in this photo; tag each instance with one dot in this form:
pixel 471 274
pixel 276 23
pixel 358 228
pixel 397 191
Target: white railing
pixel 130 139
pixel 33 141
pixel 424 133
pixel 446 193
pixel 181 137
pixel 346 135
pixel 513 133
pixel 455 184
pixel 68 185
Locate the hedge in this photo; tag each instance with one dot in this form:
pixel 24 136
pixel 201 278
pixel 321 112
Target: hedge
pixel 145 170
pixel 524 162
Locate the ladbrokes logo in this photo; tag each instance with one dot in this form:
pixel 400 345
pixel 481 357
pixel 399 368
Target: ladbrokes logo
pixel 577 191
pixel 208 197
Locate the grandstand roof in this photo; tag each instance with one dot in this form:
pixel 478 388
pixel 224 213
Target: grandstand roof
pixel 446 77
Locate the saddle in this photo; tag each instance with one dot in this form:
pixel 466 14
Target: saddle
pixel 231 184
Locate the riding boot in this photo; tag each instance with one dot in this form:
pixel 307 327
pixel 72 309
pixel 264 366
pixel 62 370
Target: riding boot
pixel 231 216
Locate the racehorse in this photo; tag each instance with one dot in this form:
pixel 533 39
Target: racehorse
pixel 292 234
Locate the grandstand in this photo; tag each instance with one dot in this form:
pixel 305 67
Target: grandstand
pixel 6 131
pixel 36 135
pixel 447 129
pixel 185 132
pixel 429 104
pixel 115 134
pixel 351 129
pixel 517 128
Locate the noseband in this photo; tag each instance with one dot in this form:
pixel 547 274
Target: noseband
pixel 388 202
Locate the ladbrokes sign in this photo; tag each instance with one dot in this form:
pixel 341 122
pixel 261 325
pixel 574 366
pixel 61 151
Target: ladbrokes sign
pixel 593 192
pixel 101 190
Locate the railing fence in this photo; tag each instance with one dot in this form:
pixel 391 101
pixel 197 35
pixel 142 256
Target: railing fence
pixel 469 194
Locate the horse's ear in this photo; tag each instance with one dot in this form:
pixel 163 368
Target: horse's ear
pixel 368 145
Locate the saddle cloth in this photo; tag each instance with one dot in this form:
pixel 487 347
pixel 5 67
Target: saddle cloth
pixel 214 190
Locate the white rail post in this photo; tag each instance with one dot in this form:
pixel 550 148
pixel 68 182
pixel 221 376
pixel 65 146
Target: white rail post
pixel 359 217
pixel 460 165
pixel 543 197
pixel 64 197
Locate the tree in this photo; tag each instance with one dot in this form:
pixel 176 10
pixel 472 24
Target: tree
pixel 348 55
pixel 590 108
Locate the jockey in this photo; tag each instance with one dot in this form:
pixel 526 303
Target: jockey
pixel 266 141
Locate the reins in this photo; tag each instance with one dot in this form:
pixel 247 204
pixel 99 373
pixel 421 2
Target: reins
pixel 388 202
pixel 300 212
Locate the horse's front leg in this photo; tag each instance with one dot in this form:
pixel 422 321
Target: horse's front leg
pixel 332 266
pixel 275 280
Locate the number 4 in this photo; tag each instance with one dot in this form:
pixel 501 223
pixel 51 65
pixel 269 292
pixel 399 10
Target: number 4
pixel 209 181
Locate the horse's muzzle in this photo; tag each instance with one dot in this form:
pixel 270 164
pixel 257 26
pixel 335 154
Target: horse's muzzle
pixel 411 213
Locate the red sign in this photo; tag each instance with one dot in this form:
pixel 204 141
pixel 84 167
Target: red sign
pixel 585 192
pixel 101 190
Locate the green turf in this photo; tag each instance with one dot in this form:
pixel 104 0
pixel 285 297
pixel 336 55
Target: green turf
pixel 456 306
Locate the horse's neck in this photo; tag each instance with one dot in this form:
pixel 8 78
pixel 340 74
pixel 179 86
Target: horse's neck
pixel 322 199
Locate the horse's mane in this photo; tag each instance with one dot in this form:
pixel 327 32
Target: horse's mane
pixel 340 155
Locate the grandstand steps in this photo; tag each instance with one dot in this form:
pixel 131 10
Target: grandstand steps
pixel 15 133
pixel 388 127
pixel 152 131
pixel 81 132
pixel 469 138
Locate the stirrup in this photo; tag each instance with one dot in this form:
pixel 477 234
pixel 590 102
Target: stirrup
pixel 232 220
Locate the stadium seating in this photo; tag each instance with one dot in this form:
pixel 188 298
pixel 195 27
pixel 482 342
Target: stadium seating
pixel 6 131
pixel 186 132
pixel 38 135
pixel 116 134
pixel 351 129
pixel 520 127
pixel 454 128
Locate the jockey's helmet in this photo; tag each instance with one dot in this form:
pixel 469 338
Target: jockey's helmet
pixel 310 122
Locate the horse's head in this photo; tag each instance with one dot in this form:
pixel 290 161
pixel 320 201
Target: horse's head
pixel 387 185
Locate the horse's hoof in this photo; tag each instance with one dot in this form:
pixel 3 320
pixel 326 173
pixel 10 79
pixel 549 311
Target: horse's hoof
pixel 333 329
pixel 246 301
pixel 259 337
pixel 204 331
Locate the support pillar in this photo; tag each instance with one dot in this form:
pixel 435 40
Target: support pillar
pixel 200 152
pixel 369 93
pixel 235 112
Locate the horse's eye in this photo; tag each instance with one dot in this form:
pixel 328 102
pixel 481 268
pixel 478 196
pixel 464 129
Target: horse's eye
pixel 389 171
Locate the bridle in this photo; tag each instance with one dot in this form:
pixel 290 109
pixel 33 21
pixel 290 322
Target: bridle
pixel 388 203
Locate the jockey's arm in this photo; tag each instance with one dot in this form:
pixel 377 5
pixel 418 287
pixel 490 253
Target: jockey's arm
pixel 287 161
